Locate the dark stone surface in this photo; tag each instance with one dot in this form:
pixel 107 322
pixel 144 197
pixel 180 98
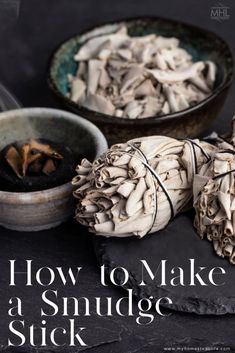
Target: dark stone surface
pixel 70 246
pixel 178 243
pixel 65 247
pixel 29 31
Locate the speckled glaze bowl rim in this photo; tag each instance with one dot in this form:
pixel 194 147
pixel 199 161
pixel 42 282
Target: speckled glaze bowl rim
pixel 67 188
pixel 96 116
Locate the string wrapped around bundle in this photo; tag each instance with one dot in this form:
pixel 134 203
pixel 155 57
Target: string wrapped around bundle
pixel 214 200
pixel 137 187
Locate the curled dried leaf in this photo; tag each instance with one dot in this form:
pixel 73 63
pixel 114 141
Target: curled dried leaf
pixel 49 167
pixel 14 160
pixel 32 157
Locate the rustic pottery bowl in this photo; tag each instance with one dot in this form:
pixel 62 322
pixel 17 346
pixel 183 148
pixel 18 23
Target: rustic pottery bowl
pixel 202 45
pixel 34 211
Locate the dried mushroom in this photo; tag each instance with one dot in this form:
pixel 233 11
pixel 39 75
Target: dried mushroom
pixel 115 69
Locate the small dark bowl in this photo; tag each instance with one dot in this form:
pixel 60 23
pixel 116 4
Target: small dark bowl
pixel 39 210
pixel 201 44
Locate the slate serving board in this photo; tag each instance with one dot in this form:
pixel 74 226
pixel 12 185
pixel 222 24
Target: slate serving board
pixel 177 243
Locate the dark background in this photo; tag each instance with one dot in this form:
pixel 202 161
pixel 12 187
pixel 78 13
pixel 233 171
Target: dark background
pixel 29 31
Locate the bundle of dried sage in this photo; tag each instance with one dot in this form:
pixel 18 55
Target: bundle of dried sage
pixel 137 187
pixel 214 202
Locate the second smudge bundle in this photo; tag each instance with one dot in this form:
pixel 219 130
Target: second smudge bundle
pixel 214 200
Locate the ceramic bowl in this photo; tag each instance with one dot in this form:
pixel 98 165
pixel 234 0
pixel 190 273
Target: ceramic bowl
pixel 202 45
pixel 33 211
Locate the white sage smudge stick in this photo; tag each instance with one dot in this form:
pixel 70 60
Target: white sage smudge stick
pixel 137 187
pixel 214 202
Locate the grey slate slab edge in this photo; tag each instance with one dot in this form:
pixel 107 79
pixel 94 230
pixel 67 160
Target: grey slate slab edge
pixel 177 243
